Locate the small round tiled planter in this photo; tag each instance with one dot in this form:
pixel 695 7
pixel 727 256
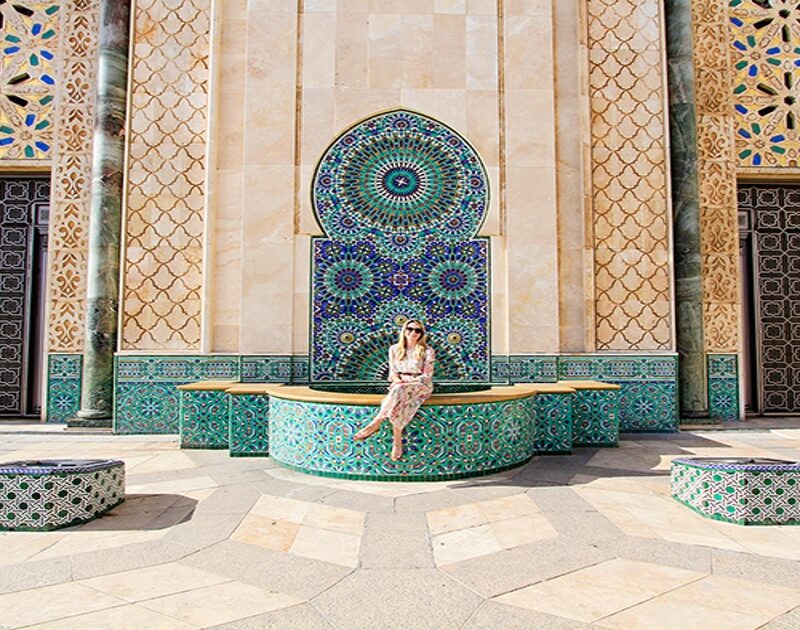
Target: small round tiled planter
pixel 45 495
pixel 745 491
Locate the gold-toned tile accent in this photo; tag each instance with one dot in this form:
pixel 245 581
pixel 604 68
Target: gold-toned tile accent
pixel 162 278
pixel 628 163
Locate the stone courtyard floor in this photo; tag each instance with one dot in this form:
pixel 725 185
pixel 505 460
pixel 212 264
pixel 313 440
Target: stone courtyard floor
pixel 587 540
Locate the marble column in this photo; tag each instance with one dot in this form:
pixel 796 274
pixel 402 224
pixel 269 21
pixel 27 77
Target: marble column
pixel 685 209
pixel 102 293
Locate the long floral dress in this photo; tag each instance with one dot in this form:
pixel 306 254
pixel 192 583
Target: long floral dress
pixel 405 397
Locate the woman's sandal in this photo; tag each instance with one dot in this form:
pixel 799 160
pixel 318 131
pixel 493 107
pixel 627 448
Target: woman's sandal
pixel 367 431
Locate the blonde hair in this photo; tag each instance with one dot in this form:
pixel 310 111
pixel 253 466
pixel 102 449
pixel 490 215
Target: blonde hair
pixel 422 344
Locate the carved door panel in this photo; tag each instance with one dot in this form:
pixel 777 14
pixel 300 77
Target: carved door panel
pixel 773 218
pixel 24 209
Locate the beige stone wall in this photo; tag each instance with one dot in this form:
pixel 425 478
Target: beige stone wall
pixel 292 82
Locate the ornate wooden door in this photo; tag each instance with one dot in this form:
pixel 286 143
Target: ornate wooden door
pixel 24 209
pixel 770 218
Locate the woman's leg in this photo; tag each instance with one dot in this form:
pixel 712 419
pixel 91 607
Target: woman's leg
pixel 388 404
pixel 397 443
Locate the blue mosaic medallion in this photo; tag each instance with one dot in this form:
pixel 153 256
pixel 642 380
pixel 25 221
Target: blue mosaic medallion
pixel 401 198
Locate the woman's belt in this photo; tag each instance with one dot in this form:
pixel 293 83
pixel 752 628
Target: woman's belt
pixel 409 373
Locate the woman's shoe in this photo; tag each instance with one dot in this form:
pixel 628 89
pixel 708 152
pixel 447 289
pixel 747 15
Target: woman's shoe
pixel 368 430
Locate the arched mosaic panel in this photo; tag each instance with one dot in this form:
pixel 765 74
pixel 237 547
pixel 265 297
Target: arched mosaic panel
pixel 400 197
pixel 766 58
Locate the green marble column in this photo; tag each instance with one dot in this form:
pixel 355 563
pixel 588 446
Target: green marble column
pixel 685 209
pixel 102 293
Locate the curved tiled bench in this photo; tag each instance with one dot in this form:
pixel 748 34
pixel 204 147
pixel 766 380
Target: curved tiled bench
pixel 44 495
pixel 452 436
pixel 739 490
pixel 258 423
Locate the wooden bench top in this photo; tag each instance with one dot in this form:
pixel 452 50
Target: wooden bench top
pixel 497 393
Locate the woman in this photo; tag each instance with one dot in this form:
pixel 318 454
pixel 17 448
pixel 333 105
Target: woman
pixel 411 376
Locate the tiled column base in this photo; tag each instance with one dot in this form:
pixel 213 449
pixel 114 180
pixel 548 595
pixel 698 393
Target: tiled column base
pixel 204 419
pixel 442 442
pixel 553 424
pixel 38 496
pixel 249 425
pixel 747 494
pixel 595 419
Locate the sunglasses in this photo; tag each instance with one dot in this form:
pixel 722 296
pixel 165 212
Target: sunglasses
pixel 414 330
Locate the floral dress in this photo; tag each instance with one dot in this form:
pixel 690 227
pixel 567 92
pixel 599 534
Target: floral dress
pixel 416 386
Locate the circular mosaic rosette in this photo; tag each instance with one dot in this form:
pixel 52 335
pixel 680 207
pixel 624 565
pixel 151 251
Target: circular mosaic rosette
pixel 403 174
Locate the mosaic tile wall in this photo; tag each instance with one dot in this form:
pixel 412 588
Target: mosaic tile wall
pixel 63 386
pixel 765 39
pixel 723 387
pixel 524 369
pixel 146 396
pixel 648 400
pixel 400 197
pixel 275 369
pixel 203 419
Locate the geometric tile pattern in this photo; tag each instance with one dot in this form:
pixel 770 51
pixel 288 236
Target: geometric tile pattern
pixel 249 425
pixel 400 197
pixel 275 369
pixel 723 387
pixel 716 173
pixel 595 421
pixel 166 176
pixel 203 419
pixel 524 369
pixel 765 39
pixel 746 494
pixel 146 398
pixel 630 220
pixel 553 426
pixel 28 72
pixel 443 442
pixel 71 175
pixel 50 496
pixel 63 386
pixel 648 398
